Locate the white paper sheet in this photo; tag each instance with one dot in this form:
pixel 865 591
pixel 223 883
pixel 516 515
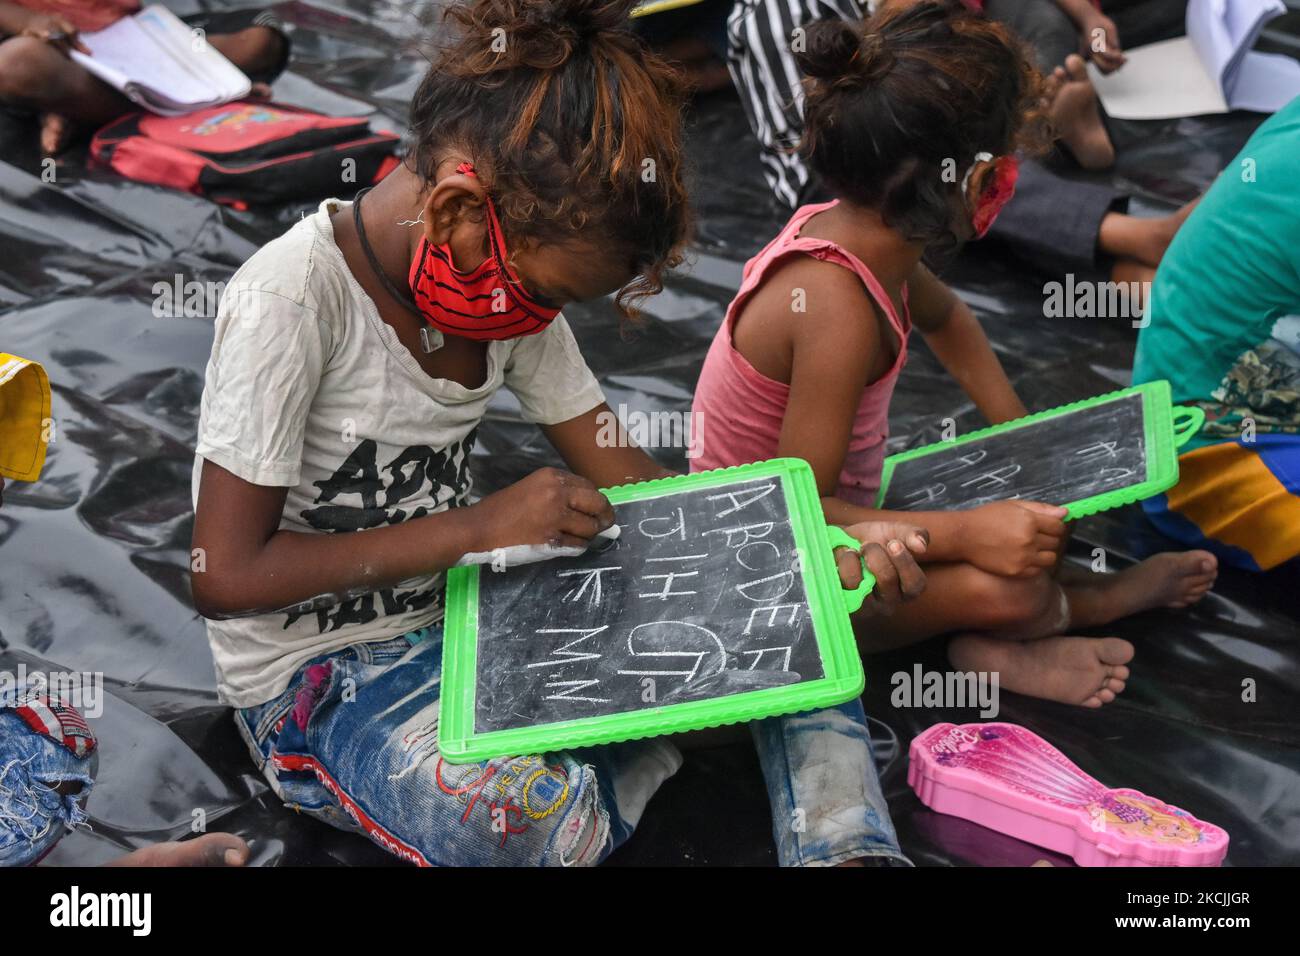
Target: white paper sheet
pixel 1211 70
pixel 1159 81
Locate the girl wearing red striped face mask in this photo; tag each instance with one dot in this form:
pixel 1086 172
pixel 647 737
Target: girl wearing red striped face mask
pixel 484 302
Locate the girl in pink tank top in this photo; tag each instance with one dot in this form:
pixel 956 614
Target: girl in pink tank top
pixel 745 409
pixel 913 121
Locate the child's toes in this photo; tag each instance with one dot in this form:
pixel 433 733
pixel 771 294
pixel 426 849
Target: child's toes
pixel 1114 685
pixel 1115 651
pixel 1105 695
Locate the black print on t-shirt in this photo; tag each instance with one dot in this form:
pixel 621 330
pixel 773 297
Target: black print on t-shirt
pixel 416 472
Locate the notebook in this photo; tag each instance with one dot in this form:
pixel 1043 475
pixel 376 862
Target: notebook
pixel 1210 70
pixel 160 63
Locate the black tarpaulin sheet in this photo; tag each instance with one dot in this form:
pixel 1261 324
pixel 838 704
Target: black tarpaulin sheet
pixel 93 558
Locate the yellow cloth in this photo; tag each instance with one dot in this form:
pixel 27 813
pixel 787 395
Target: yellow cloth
pixel 24 417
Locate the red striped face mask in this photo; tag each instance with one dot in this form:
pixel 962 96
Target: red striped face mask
pixel 488 302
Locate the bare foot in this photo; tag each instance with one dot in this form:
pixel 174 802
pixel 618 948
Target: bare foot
pixel 1077 118
pixel 1172 579
pixel 211 849
pixel 1088 671
pixel 56 134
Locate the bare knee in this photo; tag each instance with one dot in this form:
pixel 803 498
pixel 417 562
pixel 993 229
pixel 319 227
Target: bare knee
pixel 999 603
pixel 27 68
pixel 257 50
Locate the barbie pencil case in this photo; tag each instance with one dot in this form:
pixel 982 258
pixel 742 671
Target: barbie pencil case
pixel 1008 779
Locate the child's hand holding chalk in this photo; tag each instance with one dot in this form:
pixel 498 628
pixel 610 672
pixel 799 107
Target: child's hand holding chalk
pixel 557 514
pixel 514 555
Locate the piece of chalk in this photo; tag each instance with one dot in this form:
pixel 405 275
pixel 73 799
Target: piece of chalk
pixel 518 554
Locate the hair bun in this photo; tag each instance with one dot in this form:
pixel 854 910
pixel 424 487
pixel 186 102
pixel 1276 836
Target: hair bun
pixel 583 17
pixel 876 59
pixel 838 53
pixel 829 50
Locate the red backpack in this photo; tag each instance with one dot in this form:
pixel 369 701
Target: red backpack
pixel 246 153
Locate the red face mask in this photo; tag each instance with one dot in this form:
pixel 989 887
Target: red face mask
pixel 1005 173
pixel 488 302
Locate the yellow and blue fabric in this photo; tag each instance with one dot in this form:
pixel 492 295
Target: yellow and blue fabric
pixel 1238 499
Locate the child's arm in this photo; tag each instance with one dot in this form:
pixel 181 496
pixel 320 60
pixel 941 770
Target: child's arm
pixel 832 352
pixel 51 27
pixel 1009 538
pixel 251 566
pixel 958 341
pixel 1088 18
pixel 595 446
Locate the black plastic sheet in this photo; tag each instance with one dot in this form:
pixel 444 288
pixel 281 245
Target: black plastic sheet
pixel 94 557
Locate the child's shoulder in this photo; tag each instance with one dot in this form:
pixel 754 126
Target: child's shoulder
pixel 302 266
pixel 808 278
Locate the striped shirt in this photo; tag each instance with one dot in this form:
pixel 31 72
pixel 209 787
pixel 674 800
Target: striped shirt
pixel 762 65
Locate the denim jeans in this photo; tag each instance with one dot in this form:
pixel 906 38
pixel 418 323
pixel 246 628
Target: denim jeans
pixel 41 748
pixel 353 741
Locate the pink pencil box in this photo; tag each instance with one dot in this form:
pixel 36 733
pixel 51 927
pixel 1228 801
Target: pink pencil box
pixel 1008 779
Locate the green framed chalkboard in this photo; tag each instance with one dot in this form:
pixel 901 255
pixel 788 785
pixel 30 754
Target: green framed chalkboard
pixel 1088 456
pixel 718 603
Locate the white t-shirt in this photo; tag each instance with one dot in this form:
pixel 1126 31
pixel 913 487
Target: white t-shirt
pixel 307 388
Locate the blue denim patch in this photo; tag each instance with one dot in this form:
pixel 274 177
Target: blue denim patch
pixel 33 814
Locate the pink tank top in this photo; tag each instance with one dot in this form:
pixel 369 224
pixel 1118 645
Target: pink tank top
pixel 740 410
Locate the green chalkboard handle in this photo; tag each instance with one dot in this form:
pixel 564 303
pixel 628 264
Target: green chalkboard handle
pixel 1188 420
pixel 842 539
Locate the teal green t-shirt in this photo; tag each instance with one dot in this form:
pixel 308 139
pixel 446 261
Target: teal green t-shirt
pixel 1223 313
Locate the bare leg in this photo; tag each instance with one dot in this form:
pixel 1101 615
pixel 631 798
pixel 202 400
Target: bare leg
pixel 1173 579
pixel 36 76
pixel 1144 240
pixel 1019 624
pixel 257 50
pixel 961 597
pixel 1130 270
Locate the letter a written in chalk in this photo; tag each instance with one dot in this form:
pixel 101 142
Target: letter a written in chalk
pixel 741 499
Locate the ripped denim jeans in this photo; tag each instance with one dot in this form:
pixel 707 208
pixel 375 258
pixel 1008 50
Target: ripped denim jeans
pixel 353 741
pixel 44 744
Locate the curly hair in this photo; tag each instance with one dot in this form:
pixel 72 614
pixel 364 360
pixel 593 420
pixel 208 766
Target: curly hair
pixel 574 125
pixel 896 107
